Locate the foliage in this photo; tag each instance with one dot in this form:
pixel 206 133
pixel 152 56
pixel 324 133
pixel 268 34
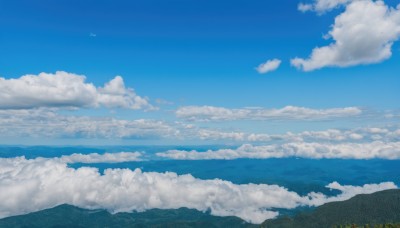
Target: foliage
pixel 374 209
pixel 70 216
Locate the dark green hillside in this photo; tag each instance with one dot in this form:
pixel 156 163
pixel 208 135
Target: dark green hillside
pixel 377 208
pixel 69 216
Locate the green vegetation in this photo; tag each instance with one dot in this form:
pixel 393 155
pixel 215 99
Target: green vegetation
pixel 374 209
pixel 64 216
pixel 369 226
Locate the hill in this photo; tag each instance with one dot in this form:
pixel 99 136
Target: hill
pixel 377 208
pixel 64 216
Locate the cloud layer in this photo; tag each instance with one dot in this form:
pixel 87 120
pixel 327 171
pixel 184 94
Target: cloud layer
pixel 370 150
pixel 47 123
pixel 69 90
pixel 101 158
pixel 211 113
pixel 32 185
pixel 363 34
pixel 44 123
pixel 388 134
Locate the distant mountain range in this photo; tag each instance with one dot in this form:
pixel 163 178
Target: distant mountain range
pixel 377 208
pixel 67 216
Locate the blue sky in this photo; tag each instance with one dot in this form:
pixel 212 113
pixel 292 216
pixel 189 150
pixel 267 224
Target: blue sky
pixel 246 86
pixel 193 53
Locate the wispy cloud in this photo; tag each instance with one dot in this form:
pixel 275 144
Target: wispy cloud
pixel 322 6
pixel 390 134
pixel 211 113
pixel 45 123
pixel 50 124
pixel 268 66
pixel 101 158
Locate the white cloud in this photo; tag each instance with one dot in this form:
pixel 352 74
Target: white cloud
pixel 304 7
pixel 370 150
pixel 44 123
pixel 101 158
pixel 64 89
pixel 32 185
pixel 206 134
pixel 389 134
pixel 211 113
pixel 47 123
pixel 363 34
pixel 268 66
pixel 347 192
pixel 322 6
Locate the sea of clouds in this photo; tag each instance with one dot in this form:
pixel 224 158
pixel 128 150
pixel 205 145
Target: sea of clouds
pixel 28 185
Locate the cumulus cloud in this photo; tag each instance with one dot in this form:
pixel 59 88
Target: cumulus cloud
pixel 211 113
pixel 268 66
pixel 322 6
pixel 363 34
pixel 314 150
pixel 101 158
pixel 64 89
pixel 32 185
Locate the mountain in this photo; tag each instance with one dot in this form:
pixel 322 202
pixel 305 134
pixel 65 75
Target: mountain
pixel 377 208
pixel 64 216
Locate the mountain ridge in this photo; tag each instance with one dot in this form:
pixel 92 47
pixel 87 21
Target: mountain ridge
pixel 376 208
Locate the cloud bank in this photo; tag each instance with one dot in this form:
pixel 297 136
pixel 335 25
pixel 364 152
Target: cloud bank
pixel 47 123
pixel 101 158
pixel 69 90
pixel 211 113
pixel 32 185
pixel 44 123
pixel 363 34
pixel 370 150
pixel 268 66
pixel 329 135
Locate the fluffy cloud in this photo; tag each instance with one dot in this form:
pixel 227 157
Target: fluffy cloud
pixel 363 34
pixel 32 185
pixel 268 66
pixel 322 6
pixel 370 150
pixel 64 89
pixel 101 158
pixel 211 113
